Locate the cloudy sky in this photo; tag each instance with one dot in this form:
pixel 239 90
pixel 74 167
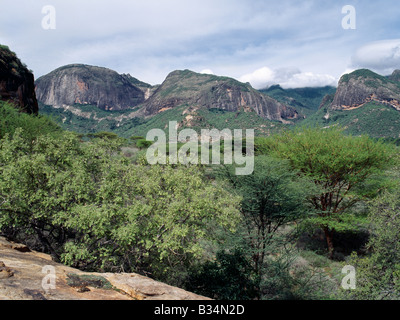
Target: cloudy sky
pixel 291 42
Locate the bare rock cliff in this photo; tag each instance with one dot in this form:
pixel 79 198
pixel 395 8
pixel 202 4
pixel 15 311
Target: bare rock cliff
pixel 208 91
pixel 88 85
pixel 363 86
pixel 17 82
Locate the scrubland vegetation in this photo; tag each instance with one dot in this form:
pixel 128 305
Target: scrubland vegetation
pixel 318 200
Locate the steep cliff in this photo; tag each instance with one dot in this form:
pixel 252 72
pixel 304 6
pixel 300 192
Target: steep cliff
pixel 16 82
pixel 88 85
pixel 364 103
pixel 213 92
pixel 364 86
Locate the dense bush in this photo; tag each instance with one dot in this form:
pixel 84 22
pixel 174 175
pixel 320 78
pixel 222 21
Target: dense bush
pixel 378 274
pixel 93 209
pixel 11 119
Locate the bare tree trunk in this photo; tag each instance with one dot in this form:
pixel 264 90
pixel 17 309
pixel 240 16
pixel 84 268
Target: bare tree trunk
pixel 329 240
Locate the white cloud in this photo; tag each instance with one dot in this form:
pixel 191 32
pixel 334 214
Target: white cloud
pixel 150 38
pixel 259 78
pixel 380 56
pixel 309 79
pixel 207 71
pixel 287 78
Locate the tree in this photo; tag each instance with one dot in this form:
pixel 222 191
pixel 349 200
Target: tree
pixel 143 143
pixel 345 169
pixel 38 180
pixel 272 196
pixel 94 209
pixel 378 274
pixel 229 277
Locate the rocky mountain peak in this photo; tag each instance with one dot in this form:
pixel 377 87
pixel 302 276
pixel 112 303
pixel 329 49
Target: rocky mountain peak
pixel 395 76
pixel 88 85
pixel 363 86
pixel 185 87
pixel 16 82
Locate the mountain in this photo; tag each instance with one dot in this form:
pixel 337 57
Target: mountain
pixel 395 76
pixel 110 91
pixel 90 85
pixel 204 91
pixel 84 99
pixel 98 99
pixel 305 100
pixel 17 83
pixel 363 86
pixel 365 103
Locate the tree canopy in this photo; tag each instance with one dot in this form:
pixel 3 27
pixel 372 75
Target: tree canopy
pixel 345 169
pixel 92 208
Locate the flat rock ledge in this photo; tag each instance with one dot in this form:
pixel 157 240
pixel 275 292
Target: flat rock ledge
pixel 30 275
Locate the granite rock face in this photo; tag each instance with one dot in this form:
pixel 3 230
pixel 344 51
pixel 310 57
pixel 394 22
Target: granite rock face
pixel 363 86
pixel 108 90
pixel 88 85
pixel 209 91
pixel 30 275
pixel 17 83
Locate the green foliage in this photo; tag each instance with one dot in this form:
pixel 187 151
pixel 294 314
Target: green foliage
pixel 272 197
pixel 93 209
pixel 229 277
pixel 78 281
pixel 340 167
pixel 33 126
pixel 10 62
pixel 305 100
pixel 88 119
pixel 143 143
pixel 252 264
pixel 378 275
pixel 103 135
pixel 222 119
pixel 284 278
pixel 373 119
pixel 134 138
pixel 140 127
pixel 364 73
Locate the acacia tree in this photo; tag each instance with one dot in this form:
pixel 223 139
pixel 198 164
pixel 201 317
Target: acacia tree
pixel 341 166
pixel 272 196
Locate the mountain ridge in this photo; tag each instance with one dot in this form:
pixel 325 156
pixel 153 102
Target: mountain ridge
pixel 79 84
pixel 209 91
pixel 193 99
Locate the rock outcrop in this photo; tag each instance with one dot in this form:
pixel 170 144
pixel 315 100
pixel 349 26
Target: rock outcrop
pixel 17 82
pixel 363 86
pixel 108 90
pixel 209 91
pixel 29 275
pixel 395 76
pixel 89 85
